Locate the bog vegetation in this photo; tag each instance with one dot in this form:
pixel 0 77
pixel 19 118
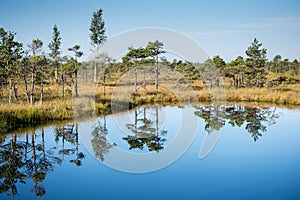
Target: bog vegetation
pixel 38 86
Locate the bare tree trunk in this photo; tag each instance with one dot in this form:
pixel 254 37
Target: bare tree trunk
pixel 76 84
pixel 42 85
pixel 26 89
pixel 32 86
pixel 16 92
pixel 235 83
pixel 10 92
pixel 104 83
pixel 241 80
pixel 135 80
pixel 144 79
pixel 56 74
pixel 62 86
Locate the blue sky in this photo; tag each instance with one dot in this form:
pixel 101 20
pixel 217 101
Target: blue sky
pixel 221 27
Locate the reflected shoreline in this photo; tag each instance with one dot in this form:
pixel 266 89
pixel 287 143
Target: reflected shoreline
pixel 26 155
pixel 228 103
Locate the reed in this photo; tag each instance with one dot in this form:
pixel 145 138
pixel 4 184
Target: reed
pixel 21 115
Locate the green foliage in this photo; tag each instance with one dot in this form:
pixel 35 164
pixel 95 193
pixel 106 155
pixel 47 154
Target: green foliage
pixel 155 48
pixel 10 52
pixel 136 54
pixel 35 46
pixel 256 63
pixel 209 73
pixel 97 28
pixel 237 70
pixel 15 69
pixel 38 60
pixel 54 46
pixel 76 51
pixel 276 64
pixel 219 62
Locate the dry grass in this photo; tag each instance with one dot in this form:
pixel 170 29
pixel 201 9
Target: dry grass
pixel 20 115
pixel 93 101
pixel 285 94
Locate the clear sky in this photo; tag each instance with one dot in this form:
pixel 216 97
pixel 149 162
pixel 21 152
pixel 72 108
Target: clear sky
pixel 226 28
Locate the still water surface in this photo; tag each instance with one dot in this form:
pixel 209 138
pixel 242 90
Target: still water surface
pixel 256 156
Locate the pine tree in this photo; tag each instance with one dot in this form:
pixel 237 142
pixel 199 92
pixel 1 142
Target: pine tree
pixel 78 54
pixel 10 52
pixel 256 62
pixel 54 47
pixel 97 34
pixel 155 49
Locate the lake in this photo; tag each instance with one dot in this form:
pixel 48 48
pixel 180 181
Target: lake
pixel 158 152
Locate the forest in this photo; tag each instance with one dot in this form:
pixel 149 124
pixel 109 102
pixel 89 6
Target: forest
pixel 37 86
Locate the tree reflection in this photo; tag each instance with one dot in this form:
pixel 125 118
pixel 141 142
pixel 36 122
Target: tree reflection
pixel 213 116
pixel 101 145
pixel 29 158
pixel 35 170
pixel 67 134
pixel 252 118
pixel 11 166
pixel 79 155
pixel 145 132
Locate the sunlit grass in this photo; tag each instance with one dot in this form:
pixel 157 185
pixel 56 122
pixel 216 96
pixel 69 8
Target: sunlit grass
pixel 19 115
pixel 93 101
pixel 287 94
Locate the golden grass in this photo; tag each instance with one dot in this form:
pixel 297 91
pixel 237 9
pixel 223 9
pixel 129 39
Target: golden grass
pixel 20 115
pixel 285 94
pixel 93 101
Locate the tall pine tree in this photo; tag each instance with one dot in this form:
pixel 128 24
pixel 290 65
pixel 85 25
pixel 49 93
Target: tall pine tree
pixel 256 63
pixel 97 34
pixel 54 47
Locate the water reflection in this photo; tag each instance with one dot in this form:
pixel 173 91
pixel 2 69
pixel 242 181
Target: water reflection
pixel 100 143
pixel 26 157
pixel 68 134
pixel 144 132
pixel 30 157
pixel 252 118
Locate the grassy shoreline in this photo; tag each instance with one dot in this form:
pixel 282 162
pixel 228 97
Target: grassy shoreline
pixel 23 115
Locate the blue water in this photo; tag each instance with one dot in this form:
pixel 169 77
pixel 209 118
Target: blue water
pixel 236 168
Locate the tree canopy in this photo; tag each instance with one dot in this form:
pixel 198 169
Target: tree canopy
pixel 97 28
